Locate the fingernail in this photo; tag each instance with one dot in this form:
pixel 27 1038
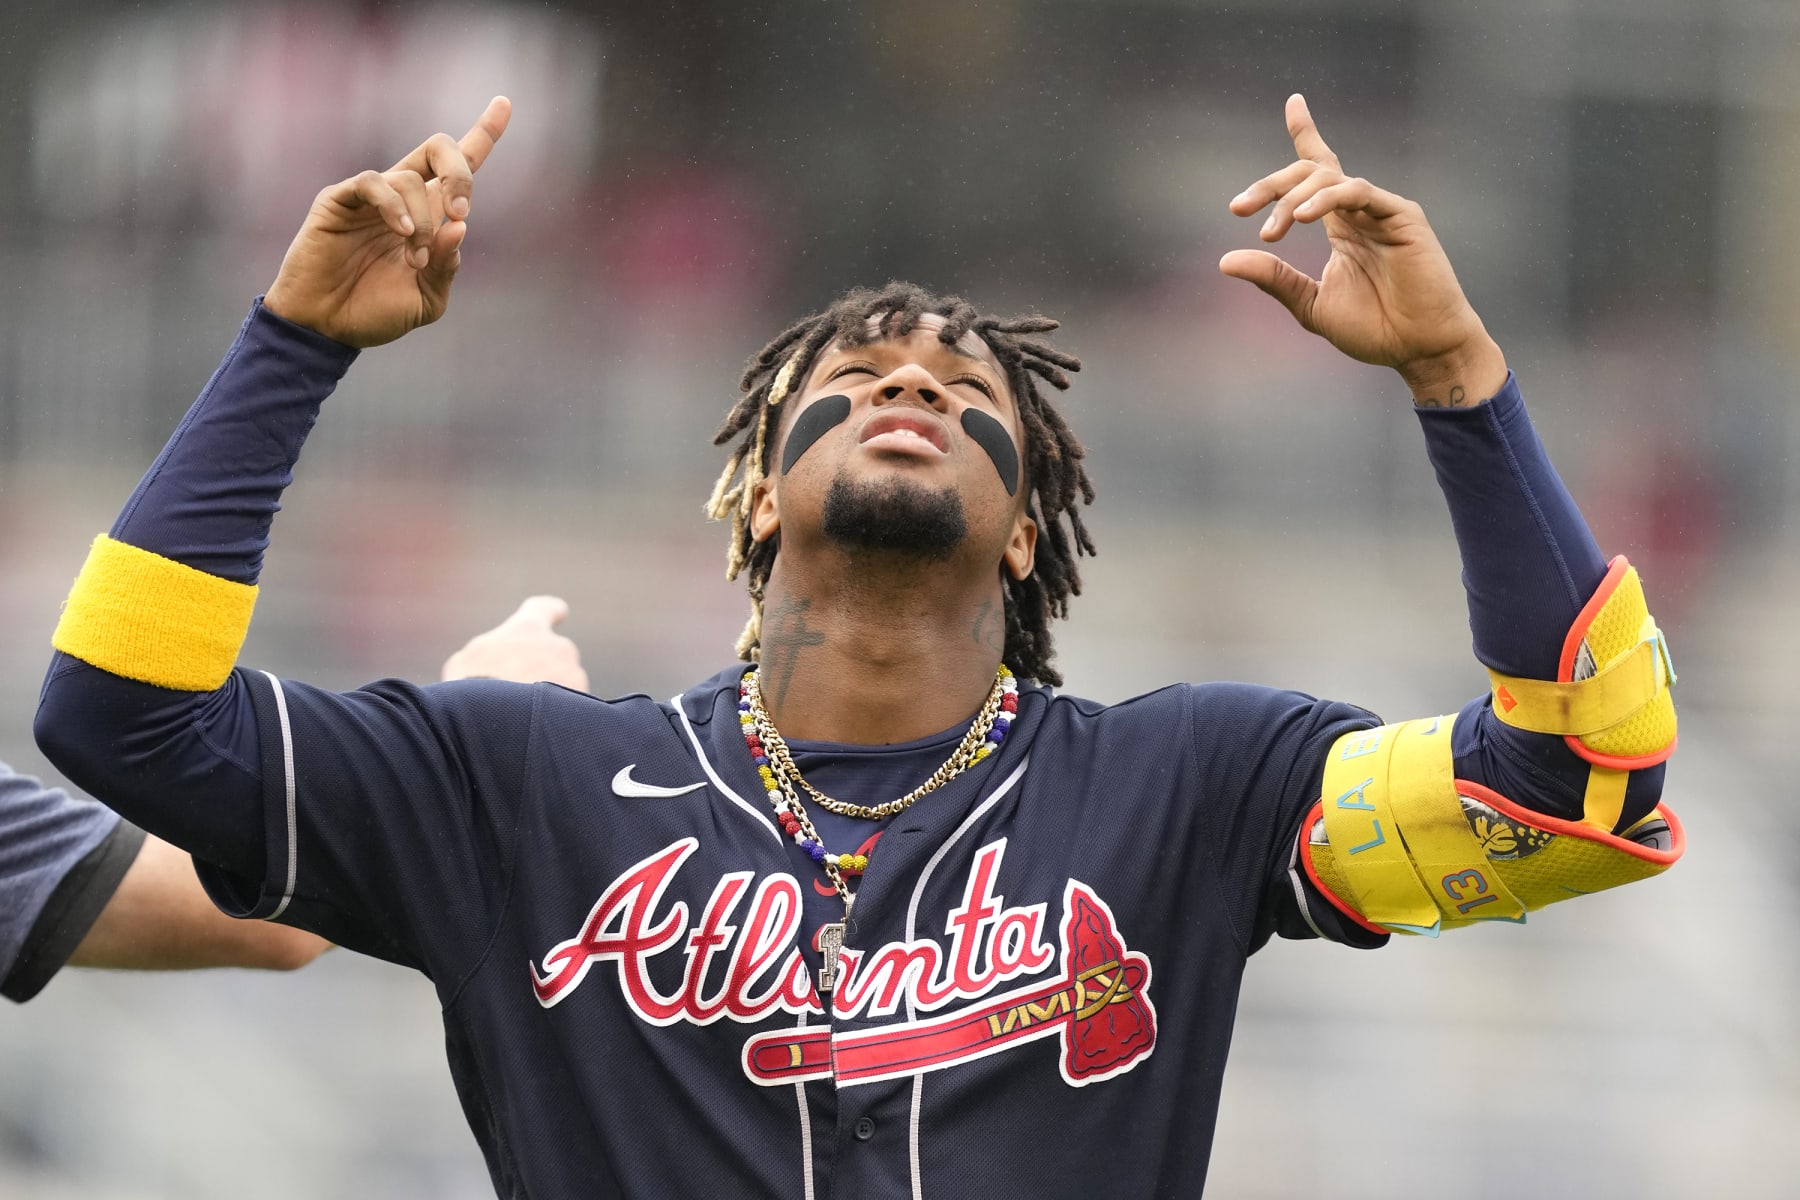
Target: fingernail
pixel 459 207
pixel 406 224
pixel 421 255
pixel 1269 225
pixel 1240 197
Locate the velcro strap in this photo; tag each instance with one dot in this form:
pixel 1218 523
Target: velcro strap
pixel 1604 801
pixel 150 618
pixel 1612 695
pixel 1365 836
pixel 1445 852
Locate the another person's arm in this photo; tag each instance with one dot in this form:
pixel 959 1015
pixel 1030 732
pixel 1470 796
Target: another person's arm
pixel 160 919
pixel 524 648
pixel 61 858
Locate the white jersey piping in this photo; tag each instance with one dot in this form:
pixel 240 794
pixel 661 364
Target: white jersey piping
pixel 706 765
pixel 287 767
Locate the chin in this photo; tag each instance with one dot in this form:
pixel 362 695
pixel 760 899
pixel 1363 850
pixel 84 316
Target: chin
pixel 894 514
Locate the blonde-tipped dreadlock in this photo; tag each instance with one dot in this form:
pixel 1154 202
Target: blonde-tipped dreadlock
pixel 734 503
pixel 1054 473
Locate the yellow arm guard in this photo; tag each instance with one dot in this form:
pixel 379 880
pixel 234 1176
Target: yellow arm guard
pixel 1399 844
pixel 150 618
pixel 1610 700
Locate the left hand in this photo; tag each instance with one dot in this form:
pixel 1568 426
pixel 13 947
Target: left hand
pixel 524 648
pixel 1387 296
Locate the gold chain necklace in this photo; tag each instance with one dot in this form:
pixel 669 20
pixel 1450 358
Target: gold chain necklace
pixel 779 774
pixel 974 747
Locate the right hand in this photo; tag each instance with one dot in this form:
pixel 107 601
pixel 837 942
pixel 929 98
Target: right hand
pixel 376 255
pixel 1387 295
pixel 524 648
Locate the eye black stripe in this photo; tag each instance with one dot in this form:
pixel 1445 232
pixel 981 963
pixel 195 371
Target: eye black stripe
pixel 991 436
pixel 820 418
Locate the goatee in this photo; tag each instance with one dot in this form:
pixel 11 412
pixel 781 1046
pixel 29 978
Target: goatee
pixel 895 516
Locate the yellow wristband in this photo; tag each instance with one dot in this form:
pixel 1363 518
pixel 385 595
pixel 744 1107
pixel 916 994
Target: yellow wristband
pixel 150 618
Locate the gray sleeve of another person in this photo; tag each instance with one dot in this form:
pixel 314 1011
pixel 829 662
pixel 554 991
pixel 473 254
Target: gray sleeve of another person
pixel 61 859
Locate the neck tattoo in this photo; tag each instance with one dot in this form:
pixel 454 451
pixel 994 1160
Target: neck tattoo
pixel 783 783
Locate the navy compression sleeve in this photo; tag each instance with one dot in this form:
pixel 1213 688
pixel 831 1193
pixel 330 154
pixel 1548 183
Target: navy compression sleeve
pixel 254 414
pixel 186 765
pixel 1529 565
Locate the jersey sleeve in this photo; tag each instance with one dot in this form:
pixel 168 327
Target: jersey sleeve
pixel 61 860
pixel 1261 755
pixel 387 815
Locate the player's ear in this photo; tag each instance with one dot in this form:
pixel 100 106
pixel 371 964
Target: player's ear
pixel 1021 548
pixel 765 511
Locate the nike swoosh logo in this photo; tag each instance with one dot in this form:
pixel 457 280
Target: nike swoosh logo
pixel 625 785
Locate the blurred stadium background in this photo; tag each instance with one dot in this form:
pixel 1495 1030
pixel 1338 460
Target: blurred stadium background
pixel 1615 180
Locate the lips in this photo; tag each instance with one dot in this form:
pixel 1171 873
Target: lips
pixel 904 428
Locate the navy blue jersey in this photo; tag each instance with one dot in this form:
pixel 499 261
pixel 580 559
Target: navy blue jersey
pixel 629 979
pixel 625 944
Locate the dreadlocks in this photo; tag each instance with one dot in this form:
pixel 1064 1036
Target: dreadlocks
pixel 1053 469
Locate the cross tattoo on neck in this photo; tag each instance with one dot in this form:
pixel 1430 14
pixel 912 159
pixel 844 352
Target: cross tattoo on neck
pixel 788 635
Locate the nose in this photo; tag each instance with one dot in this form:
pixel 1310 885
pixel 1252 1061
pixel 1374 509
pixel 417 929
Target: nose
pixel 909 381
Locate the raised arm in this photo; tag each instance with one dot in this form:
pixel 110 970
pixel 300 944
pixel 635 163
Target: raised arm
pixel 144 705
pixel 1562 759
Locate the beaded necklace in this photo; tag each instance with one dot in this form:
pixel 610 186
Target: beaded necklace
pixel 782 783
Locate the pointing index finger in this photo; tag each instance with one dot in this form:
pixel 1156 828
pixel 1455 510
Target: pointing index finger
pixel 453 164
pixel 478 143
pixel 1307 141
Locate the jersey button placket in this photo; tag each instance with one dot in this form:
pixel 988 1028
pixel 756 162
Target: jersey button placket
pixel 864 1129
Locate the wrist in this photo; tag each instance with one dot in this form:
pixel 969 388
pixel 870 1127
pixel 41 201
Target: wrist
pixel 278 323
pixel 278 302
pixel 1464 377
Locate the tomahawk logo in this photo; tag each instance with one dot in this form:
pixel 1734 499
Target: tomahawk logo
pixel 1098 1007
pixel 743 963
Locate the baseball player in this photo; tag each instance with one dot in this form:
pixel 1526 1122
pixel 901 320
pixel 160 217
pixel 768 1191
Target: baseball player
pixel 80 886
pixel 846 918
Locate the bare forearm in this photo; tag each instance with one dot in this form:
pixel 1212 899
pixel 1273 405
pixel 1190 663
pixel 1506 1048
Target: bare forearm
pixel 160 919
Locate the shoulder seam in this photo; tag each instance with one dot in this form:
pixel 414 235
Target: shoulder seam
pixel 1216 870
pixel 509 855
